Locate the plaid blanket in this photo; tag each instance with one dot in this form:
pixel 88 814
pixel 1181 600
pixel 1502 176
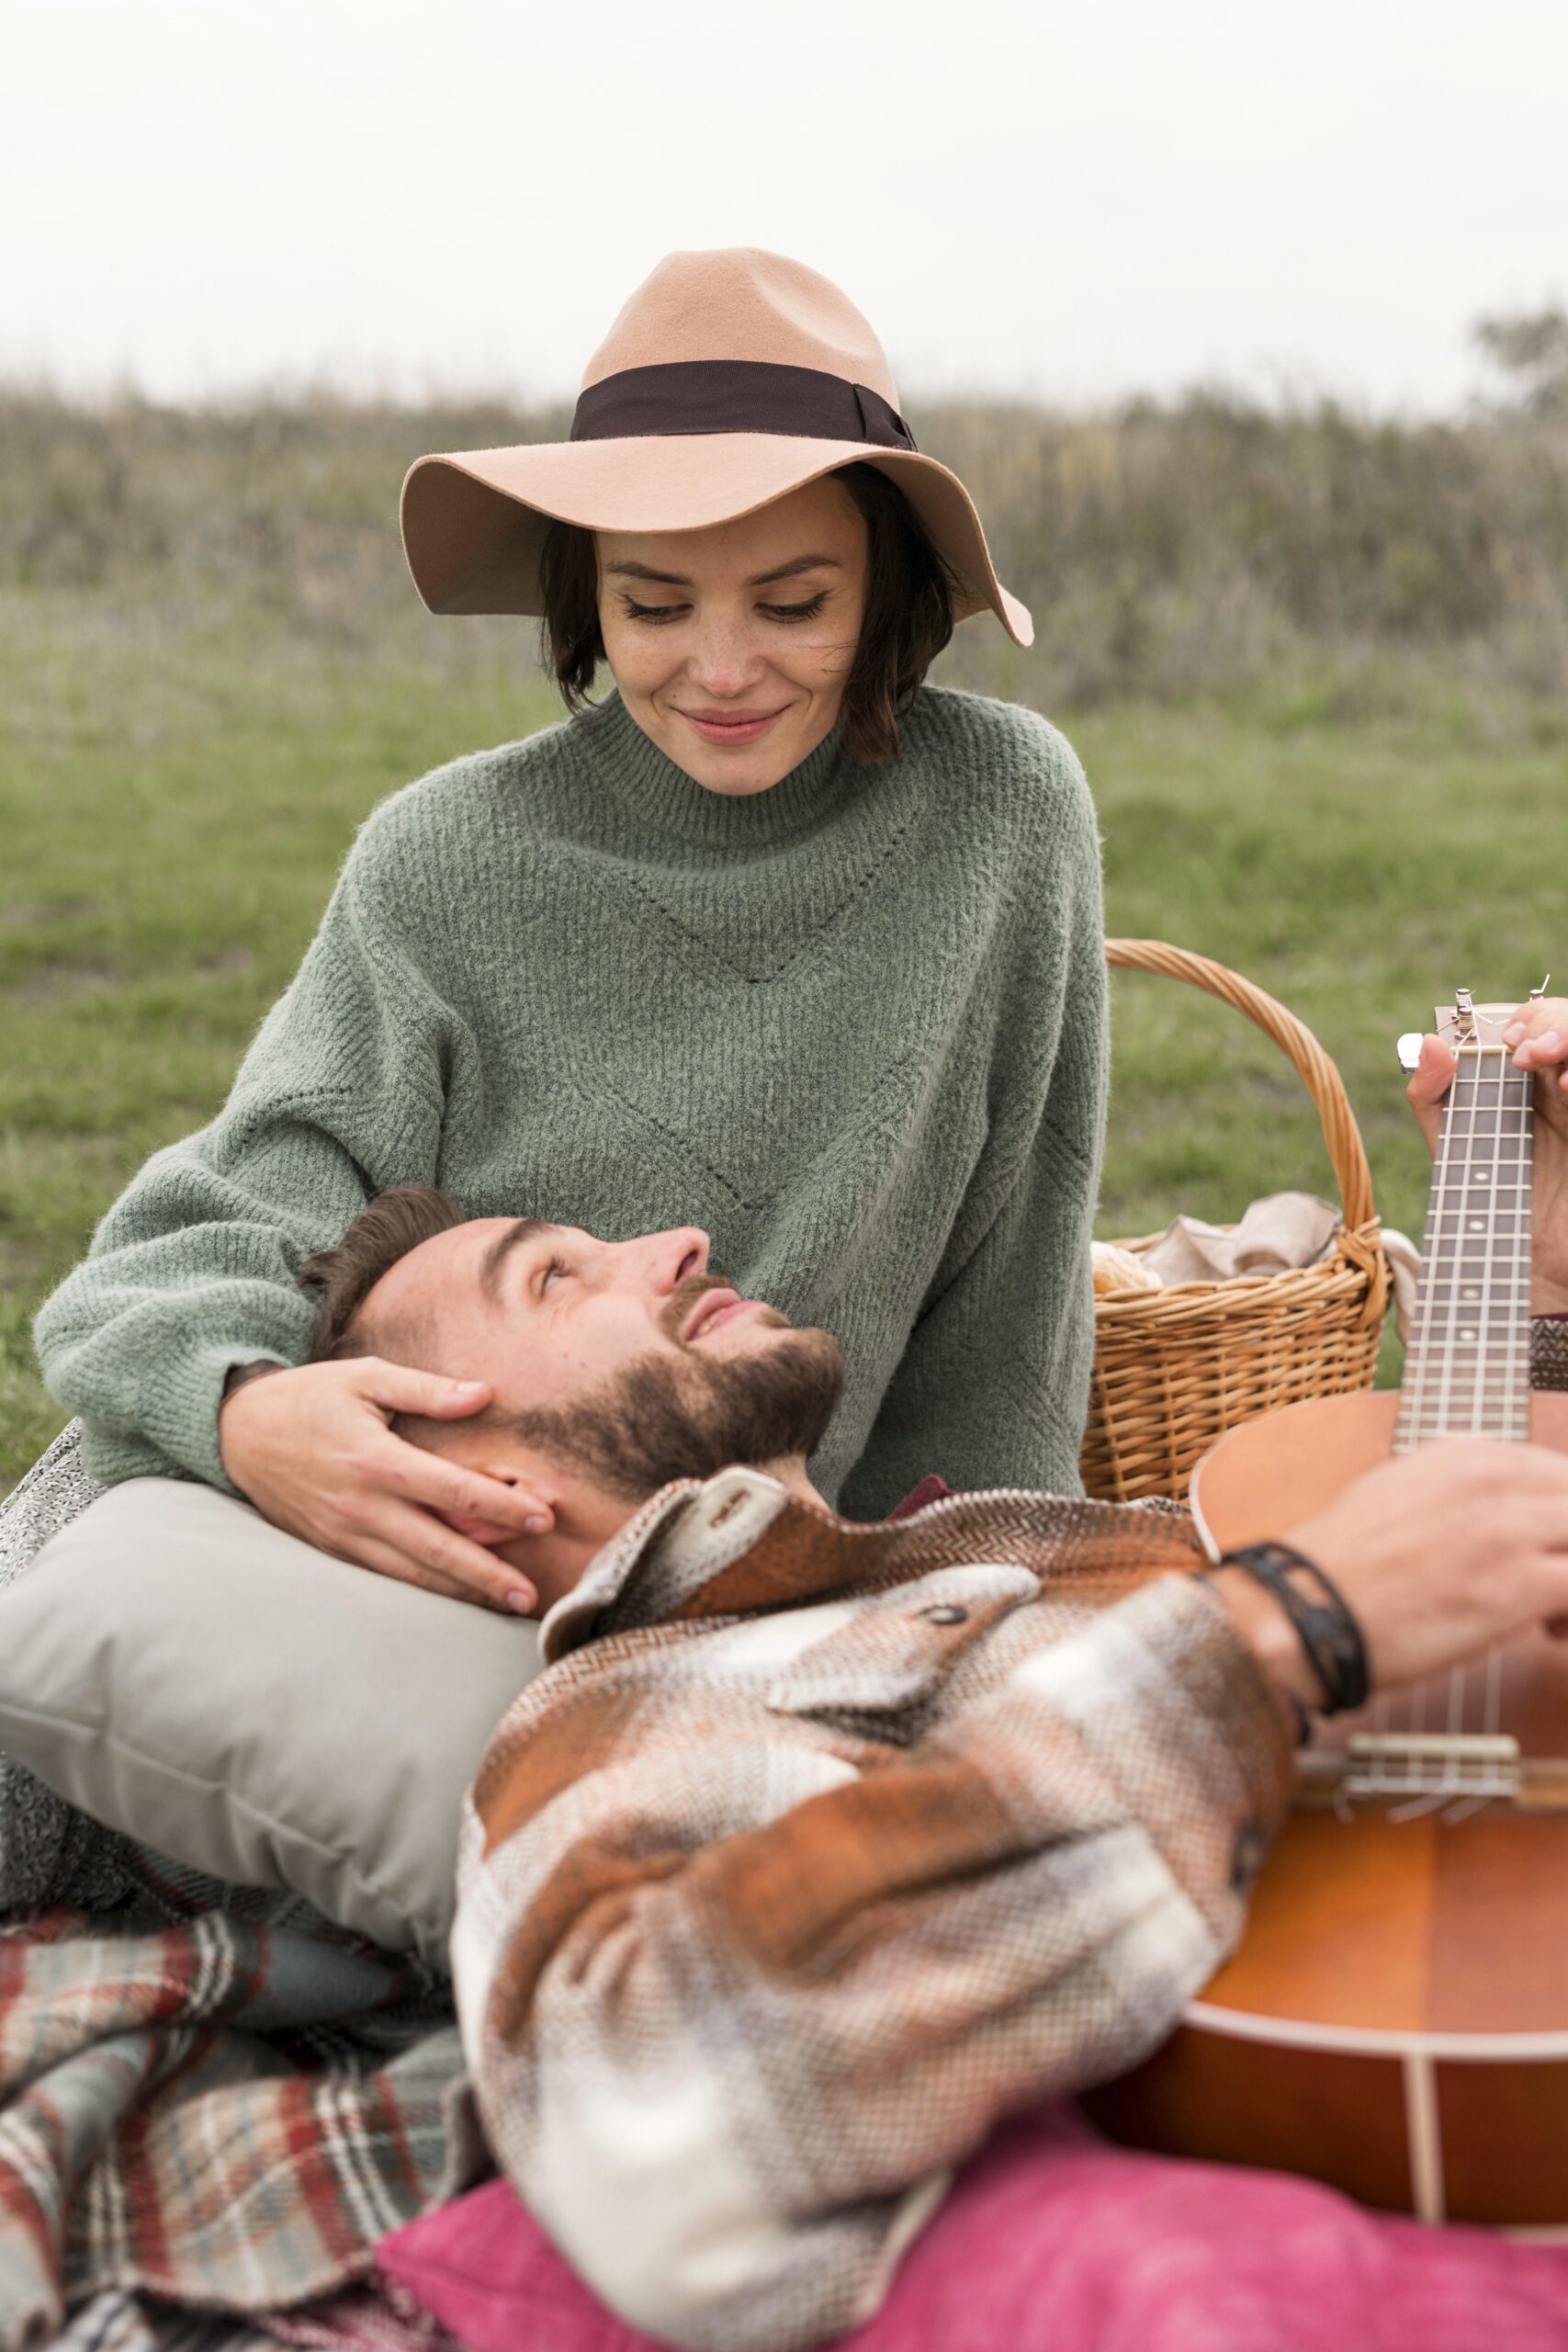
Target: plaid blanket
pixel 226 2108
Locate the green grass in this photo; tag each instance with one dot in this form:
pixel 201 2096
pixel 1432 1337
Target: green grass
pixel 174 803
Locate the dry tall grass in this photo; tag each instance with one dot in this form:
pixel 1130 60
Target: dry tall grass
pixel 1199 548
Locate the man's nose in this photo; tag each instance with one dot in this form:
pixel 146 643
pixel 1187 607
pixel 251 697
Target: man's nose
pixel 677 1257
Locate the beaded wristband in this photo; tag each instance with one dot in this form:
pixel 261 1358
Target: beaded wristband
pixel 1326 1630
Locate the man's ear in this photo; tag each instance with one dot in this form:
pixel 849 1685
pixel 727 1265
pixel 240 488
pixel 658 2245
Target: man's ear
pixel 480 1530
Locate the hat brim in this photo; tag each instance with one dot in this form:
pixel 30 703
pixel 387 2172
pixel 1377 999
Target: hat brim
pixel 474 520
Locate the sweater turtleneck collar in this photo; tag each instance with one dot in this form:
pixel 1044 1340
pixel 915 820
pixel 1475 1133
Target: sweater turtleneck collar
pixel 672 809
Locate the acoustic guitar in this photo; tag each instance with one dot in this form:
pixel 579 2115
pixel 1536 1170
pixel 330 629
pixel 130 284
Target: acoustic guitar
pixel 1396 2020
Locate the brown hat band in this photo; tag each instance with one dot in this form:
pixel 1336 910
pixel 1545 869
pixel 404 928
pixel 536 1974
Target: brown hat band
pixel 737 396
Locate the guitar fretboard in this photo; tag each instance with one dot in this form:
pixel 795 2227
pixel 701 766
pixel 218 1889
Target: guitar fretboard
pixel 1467 1358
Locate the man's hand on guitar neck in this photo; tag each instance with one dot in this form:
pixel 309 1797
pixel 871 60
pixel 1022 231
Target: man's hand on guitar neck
pixel 1539 1035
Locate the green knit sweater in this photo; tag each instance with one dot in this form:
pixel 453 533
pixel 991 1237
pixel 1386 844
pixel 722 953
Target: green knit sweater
pixel 855 1027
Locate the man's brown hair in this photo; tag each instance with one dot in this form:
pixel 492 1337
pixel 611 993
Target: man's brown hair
pixel 907 618
pixel 391 1226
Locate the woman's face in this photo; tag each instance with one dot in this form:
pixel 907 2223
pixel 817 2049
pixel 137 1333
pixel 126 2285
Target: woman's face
pixel 731 646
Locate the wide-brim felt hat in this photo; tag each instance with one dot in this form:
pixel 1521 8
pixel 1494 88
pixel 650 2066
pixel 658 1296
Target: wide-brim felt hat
pixel 729 378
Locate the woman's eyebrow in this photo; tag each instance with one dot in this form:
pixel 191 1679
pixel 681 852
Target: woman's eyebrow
pixel 632 570
pixel 526 1228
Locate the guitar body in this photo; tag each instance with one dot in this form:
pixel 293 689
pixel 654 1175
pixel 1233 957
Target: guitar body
pixel 1396 2021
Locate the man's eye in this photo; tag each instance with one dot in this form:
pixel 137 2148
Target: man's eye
pixel 556 1266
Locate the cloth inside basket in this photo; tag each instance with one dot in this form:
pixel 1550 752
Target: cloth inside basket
pixel 1283 1231
pixel 1276 1234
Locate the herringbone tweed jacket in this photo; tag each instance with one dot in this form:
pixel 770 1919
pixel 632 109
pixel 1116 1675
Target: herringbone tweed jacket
pixel 817 1848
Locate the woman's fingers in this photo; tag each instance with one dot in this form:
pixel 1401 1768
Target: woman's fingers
pixel 429 1477
pixel 389 1560
pixel 399 1539
pixel 1429 1083
pixel 315 1456
pixel 448 1486
pixel 398 1388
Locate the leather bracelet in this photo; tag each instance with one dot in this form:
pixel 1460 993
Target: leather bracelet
pixel 1326 1629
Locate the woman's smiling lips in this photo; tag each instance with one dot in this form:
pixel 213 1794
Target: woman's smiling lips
pixel 721 729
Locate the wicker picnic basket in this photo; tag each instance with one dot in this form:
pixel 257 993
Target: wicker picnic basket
pixel 1174 1369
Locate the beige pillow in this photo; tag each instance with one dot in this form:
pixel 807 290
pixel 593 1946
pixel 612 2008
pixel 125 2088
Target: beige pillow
pixel 178 1667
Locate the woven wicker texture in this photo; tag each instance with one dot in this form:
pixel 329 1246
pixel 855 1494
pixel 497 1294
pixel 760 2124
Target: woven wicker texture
pixel 1174 1369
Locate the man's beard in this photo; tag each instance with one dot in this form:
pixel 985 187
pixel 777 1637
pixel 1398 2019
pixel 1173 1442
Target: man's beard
pixel 689 1416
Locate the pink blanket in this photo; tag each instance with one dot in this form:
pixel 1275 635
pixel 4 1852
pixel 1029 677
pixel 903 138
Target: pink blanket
pixel 1052 2241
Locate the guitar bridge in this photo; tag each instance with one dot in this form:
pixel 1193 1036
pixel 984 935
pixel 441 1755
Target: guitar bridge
pixel 1478 1765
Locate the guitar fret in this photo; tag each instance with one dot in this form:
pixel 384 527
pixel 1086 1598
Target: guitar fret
pixel 1467 1353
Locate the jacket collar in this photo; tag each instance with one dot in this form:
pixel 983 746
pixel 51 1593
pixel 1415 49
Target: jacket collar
pixel 662 1562
pixel 738 1542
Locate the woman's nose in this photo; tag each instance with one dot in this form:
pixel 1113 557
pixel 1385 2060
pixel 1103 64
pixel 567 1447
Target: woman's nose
pixel 725 661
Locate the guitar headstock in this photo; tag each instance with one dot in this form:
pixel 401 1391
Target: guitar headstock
pixel 1465 1023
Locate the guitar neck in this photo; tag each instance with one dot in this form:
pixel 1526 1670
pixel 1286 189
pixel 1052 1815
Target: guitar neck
pixel 1467 1358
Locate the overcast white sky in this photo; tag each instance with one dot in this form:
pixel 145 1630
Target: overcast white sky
pixel 1071 201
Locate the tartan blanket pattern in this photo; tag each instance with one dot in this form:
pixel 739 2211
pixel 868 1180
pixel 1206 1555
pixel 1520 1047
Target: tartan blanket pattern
pixel 221 2111
pixel 377 2315
pixel 113 2322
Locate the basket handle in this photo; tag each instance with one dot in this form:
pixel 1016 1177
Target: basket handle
pixel 1293 1038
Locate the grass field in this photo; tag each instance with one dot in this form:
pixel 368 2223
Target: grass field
pixel 175 802
pixel 1317 664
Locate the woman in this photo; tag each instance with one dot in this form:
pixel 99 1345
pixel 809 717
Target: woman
pixel 775 940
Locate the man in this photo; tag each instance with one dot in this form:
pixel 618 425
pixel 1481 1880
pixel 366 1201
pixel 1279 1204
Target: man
pixel 824 1844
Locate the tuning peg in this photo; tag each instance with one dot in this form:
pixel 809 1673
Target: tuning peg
pixel 1409 1050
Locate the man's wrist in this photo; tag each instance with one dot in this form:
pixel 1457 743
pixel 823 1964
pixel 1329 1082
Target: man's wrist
pixel 1268 1635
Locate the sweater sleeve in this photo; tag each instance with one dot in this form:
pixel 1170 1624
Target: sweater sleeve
pixel 992 1389
pixel 192 1269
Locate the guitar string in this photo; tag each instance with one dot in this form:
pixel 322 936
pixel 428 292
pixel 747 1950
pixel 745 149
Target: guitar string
pixel 1385 1712
pixel 1415 1777
pixel 1512 1116
pixel 1416 1706
pixel 1524 1228
pixel 1516 1349
pixel 1421 1798
pixel 1506 1119
pixel 1446 1285
pixel 1510 1337
pixel 1449 1778
pixel 1449 1781
pixel 1408 1431
pixel 1494 1390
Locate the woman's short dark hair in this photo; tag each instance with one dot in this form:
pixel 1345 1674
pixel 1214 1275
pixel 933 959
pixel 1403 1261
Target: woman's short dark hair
pixel 908 619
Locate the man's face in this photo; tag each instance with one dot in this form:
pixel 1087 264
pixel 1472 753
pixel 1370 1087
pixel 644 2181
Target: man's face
pixel 631 1363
